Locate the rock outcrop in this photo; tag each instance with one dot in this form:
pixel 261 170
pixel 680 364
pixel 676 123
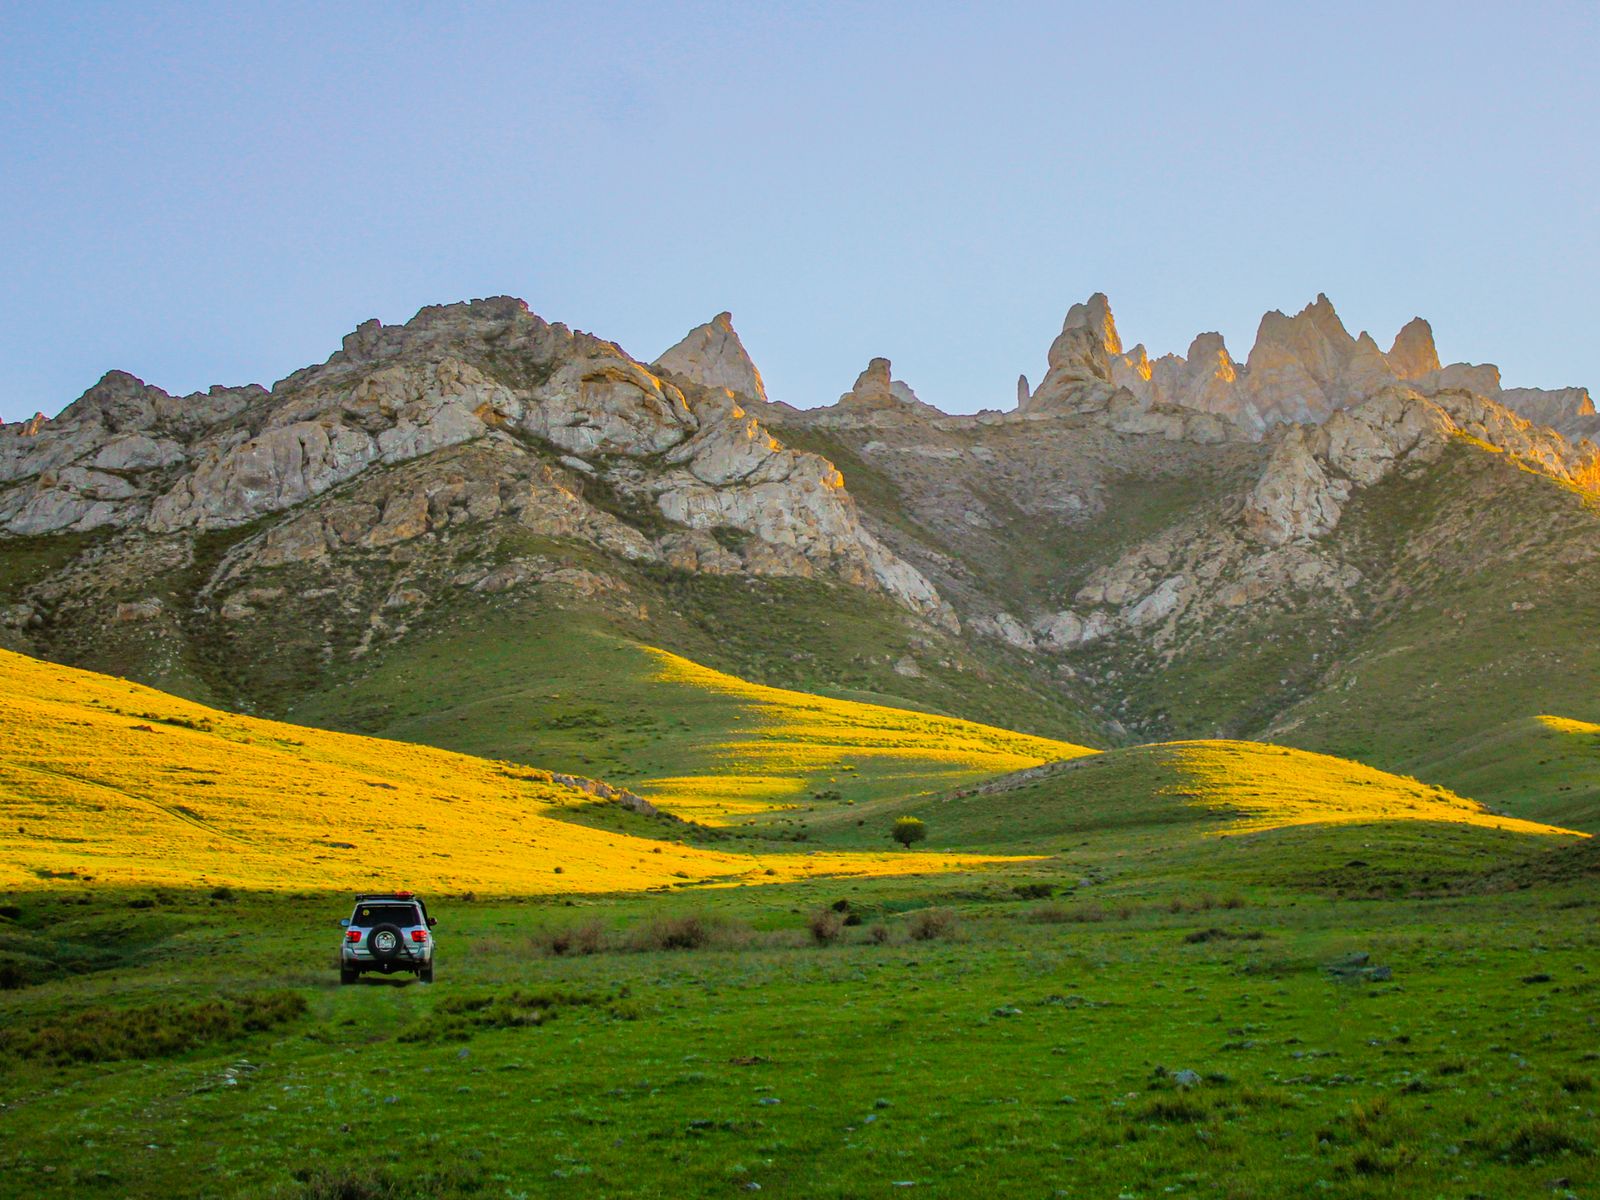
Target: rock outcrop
pixel 712 356
pixel 1305 368
pixel 876 400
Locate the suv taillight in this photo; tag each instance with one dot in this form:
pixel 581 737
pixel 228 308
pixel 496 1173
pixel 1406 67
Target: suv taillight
pixel 353 935
pixel 419 935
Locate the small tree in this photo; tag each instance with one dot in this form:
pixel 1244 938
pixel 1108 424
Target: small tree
pixel 907 830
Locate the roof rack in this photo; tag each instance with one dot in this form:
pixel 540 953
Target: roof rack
pixel 386 896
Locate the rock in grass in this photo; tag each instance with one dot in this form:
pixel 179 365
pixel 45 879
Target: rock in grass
pixel 1348 963
pixel 1186 1078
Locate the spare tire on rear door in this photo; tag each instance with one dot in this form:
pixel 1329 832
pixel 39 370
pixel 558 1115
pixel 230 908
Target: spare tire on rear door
pixel 386 944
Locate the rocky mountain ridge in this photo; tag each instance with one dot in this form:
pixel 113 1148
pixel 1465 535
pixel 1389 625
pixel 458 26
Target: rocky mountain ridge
pixel 128 456
pixel 1147 548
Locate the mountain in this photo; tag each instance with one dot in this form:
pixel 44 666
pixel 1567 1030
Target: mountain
pixel 456 529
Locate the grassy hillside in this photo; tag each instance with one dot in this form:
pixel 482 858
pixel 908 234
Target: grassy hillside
pixel 1488 624
pixel 111 782
pixel 1185 794
pixel 1546 768
pixel 565 693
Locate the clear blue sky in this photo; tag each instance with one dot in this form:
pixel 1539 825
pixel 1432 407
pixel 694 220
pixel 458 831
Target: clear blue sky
pixel 215 193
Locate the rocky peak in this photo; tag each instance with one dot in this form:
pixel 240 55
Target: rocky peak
pixel 1413 354
pixel 712 356
pixel 1095 316
pixel 1080 357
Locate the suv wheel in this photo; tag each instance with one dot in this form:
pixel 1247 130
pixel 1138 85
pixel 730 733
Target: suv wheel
pixel 348 975
pixel 425 974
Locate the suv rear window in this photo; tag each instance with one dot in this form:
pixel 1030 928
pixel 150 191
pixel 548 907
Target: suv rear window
pixel 403 915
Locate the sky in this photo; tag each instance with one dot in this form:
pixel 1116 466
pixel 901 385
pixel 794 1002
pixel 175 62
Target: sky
pixel 217 193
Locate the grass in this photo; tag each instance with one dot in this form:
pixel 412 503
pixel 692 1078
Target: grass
pixel 1487 627
pixel 1545 767
pixel 770 747
pixel 1016 1056
pixel 1109 978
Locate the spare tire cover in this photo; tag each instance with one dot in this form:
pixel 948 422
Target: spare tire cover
pixel 385 942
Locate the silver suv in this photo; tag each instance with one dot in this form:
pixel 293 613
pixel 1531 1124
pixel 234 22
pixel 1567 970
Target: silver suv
pixel 388 931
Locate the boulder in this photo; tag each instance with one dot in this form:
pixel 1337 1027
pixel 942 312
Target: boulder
pixel 1294 498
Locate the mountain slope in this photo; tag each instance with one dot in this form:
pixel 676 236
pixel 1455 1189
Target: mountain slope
pixel 115 783
pixel 556 690
pixel 1544 767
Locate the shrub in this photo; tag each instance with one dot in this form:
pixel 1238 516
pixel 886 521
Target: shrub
pixel 879 934
pixel 928 924
pixel 1033 891
pixel 908 830
pixel 458 1017
pixel 1214 934
pixel 587 938
pixel 222 893
pixel 674 933
pixel 1060 914
pixel 825 925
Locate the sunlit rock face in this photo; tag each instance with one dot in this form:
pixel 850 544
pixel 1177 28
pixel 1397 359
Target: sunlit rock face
pixel 1079 374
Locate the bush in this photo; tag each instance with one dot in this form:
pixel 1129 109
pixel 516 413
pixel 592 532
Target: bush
pixel 674 933
pixel 222 893
pixel 825 925
pixel 587 938
pixel 1173 1109
pixel 908 830
pixel 1034 891
pixel 1537 1137
pixel 929 924
pixel 879 934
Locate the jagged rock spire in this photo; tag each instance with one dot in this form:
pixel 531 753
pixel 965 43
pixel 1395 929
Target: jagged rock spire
pixel 1413 354
pixel 713 356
